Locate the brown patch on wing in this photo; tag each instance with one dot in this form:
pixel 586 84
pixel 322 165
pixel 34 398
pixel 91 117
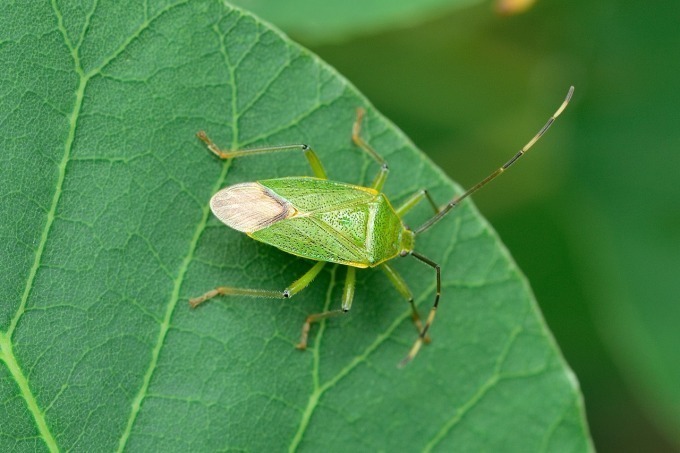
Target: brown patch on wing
pixel 249 207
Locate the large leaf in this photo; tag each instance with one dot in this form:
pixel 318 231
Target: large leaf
pixel 333 20
pixel 594 224
pixel 107 233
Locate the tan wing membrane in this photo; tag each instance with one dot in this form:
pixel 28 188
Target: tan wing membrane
pixel 249 207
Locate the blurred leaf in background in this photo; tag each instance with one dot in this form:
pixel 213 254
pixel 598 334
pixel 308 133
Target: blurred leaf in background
pixel 317 21
pixel 594 217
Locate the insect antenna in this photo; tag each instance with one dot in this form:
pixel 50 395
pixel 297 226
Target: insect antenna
pixel 454 202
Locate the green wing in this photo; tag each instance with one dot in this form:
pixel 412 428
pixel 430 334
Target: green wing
pixel 312 194
pixel 312 238
pixel 333 222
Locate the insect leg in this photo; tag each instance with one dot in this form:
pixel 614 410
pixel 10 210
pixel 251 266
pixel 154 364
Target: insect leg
pixel 309 153
pixel 414 200
pixel 297 286
pixel 403 289
pixel 380 178
pixel 347 297
pixel 433 311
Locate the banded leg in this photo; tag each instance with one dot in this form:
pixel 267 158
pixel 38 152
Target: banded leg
pixel 381 177
pixel 309 153
pixel 297 286
pixel 347 297
pixel 403 289
pixel 413 201
pixel 433 311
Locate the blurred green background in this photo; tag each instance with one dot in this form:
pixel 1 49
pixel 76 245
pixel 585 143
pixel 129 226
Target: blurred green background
pixel 593 214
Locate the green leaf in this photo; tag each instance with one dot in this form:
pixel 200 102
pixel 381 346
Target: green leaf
pixel 599 231
pixel 334 20
pixel 107 233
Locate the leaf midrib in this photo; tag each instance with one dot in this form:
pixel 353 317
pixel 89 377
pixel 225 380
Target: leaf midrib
pixel 6 346
pixel 174 298
pixel 7 350
pixel 165 324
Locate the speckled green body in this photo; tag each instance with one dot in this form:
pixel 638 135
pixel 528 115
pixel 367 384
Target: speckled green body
pixel 335 222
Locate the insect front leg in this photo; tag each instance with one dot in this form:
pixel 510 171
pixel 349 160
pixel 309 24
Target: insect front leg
pixel 433 311
pixel 403 289
pixel 309 153
pixel 381 177
pixel 347 298
pixel 297 286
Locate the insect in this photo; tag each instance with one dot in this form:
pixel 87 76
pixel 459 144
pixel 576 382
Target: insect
pixel 335 222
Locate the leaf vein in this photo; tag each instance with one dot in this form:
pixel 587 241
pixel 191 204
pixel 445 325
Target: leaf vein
pixel 276 76
pixel 174 298
pixel 7 349
pixel 9 359
pixel 130 39
pixel 86 25
pixel 482 390
pixel 64 34
pixel 165 324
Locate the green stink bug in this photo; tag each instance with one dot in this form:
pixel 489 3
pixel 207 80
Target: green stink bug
pixel 334 222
